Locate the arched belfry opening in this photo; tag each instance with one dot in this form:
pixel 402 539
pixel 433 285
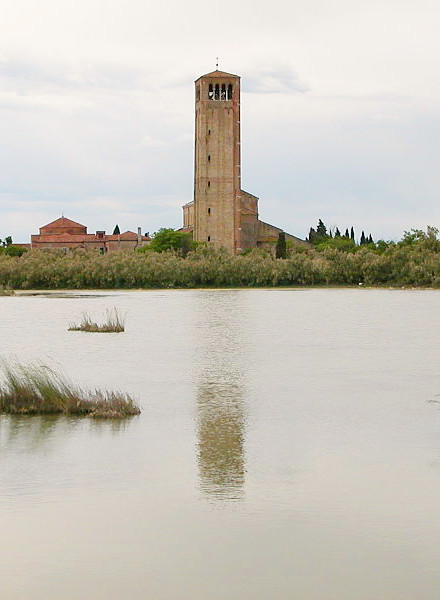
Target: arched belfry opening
pixel 219 91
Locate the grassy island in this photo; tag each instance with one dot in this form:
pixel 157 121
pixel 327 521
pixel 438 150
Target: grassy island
pixel 38 390
pixel 114 323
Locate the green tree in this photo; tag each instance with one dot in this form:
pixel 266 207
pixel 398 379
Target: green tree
pixel 321 229
pixel 116 230
pixel 7 247
pixel 187 245
pixel 12 250
pixel 346 234
pixel 345 244
pixel 352 234
pixel 363 240
pixel 6 242
pixel 337 233
pixel 169 239
pixel 281 248
pixel 421 240
pixel 318 235
pixel 312 235
pixel 382 245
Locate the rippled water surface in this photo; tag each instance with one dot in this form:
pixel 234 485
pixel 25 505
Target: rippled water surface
pixel 288 449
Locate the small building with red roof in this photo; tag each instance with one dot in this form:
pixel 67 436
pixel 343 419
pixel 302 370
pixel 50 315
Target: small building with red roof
pixel 67 234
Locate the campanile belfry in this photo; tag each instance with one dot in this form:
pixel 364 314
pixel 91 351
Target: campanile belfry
pixel 217 203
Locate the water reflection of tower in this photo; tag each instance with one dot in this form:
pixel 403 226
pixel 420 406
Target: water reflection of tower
pixel 220 391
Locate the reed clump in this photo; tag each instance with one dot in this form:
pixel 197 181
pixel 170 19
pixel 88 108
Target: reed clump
pixel 39 390
pixel 114 323
pixel 5 291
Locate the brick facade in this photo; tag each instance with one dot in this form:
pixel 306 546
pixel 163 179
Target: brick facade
pixel 66 234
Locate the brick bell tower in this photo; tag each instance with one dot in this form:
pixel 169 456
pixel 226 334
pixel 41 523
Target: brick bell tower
pixel 217 185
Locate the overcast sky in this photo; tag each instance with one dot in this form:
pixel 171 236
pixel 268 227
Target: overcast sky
pixel 340 110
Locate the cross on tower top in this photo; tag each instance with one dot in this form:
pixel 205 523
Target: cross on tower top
pixel 216 64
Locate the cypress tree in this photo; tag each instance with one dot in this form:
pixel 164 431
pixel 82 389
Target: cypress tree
pixel 186 246
pixel 346 234
pixel 370 239
pixel 116 230
pixel 337 233
pixel 321 229
pixel 352 234
pixel 312 235
pixel 363 240
pixel 281 249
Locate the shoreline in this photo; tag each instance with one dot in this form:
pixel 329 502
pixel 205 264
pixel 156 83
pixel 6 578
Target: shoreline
pixel 84 291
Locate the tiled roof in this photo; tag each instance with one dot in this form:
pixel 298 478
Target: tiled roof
pixel 127 235
pixel 63 238
pixel 80 238
pixel 249 194
pixel 219 74
pixel 62 222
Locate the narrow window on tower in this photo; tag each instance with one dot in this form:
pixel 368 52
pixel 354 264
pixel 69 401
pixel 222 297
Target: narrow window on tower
pixel 209 238
pixel 210 92
pixel 209 157
pixel 209 184
pixel 223 91
pixel 209 132
pixel 217 92
pixel 230 91
pixel 209 211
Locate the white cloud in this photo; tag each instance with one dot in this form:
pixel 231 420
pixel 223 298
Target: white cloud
pixel 148 141
pixel 41 101
pixel 274 79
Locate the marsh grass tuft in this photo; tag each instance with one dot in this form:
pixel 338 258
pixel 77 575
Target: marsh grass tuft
pixel 39 390
pixel 114 323
pixel 6 291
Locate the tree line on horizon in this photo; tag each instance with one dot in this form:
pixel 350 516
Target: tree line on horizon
pixel 320 239
pixel 335 239
pixel 414 261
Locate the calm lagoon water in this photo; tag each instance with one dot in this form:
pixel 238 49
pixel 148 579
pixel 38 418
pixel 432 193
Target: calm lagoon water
pixel 288 449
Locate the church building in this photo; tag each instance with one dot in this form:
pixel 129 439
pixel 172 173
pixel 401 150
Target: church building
pixel 221 212
pixel 66 234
